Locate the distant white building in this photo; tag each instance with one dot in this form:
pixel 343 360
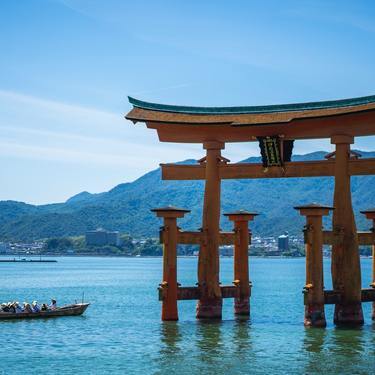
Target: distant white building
pixel 283 242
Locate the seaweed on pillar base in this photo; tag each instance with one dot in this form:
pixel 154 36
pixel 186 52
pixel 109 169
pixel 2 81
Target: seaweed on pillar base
pixel 315 316
pixel 242 306
pixel 349 313
pixel 209 307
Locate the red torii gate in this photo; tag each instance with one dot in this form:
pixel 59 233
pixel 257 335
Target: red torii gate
pixel 276 127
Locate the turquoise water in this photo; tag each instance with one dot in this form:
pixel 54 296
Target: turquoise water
pixel 121 332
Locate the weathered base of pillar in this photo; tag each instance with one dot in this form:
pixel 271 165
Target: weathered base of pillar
pixel 169 318
pixel 242 306
pixel 315 316
pixel 169 313
pixel 209 308
pixel 348 314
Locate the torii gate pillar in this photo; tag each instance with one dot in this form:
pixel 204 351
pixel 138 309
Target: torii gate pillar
pixel 241 259
pixel 169 284
pixel 314 288
pixel 346 269
pixel 210 302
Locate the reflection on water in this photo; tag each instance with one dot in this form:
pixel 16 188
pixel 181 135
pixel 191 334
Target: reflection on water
pixel 219 346
pixel 349 349
pixel 314 347
pixel 241 335
pixel 170 336
pixel 347 342
pixel 339 351
pixel 170 352
pixel 209 341
pixel 314 339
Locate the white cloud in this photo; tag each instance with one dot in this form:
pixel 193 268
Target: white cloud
pixel 61 155
pixel 55 131
pixel 18 104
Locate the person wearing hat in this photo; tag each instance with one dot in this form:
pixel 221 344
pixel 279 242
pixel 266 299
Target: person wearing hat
pixel 53 305
pixel 12 307
pixel 7 307
pixel 35 306
pixel 27 308
pixel 17 307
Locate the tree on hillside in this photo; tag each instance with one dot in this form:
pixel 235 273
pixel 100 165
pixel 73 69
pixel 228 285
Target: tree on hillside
pixel 151 247
pixel 58 244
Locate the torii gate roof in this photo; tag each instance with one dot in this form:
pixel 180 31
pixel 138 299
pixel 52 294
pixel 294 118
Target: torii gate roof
pixel 355 117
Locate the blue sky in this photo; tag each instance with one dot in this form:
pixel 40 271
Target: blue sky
pixel 67 66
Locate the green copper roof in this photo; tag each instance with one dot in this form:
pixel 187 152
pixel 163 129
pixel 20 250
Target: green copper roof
pixel 253 109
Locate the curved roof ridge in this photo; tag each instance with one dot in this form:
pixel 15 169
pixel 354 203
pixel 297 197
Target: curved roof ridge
pixel 253 109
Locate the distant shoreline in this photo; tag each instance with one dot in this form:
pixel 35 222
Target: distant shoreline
pixel 11 257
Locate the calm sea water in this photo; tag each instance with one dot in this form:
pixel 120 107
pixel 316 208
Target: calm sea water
pixel 121 332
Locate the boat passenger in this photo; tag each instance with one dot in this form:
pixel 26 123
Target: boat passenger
pixel 27 308
pixel 35 306
pixel 17 307
pixel 4 307
pixel 44 307
pixel 12 307
pixel 53 305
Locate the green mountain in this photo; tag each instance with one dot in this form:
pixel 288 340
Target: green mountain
pixel 127 206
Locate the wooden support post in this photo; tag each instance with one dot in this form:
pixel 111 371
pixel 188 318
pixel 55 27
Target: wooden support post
pixel 370 214
pixel 241 259
pixel 169 283
pixel 346 269
pixel 314 288
pixel 210 303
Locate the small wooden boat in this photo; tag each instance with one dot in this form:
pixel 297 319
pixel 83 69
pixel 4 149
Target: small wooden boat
pixel 67 310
